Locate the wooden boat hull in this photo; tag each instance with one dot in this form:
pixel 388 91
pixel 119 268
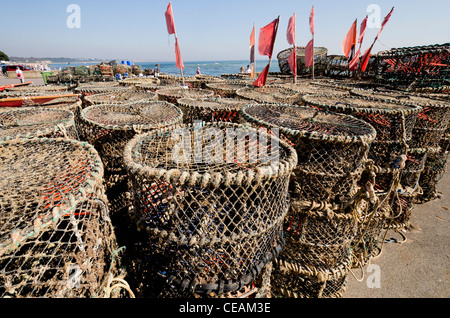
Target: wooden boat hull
pixel 2 88
pixel 22 101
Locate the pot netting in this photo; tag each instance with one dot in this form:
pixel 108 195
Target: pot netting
pixel 172 94
pixel 392 121
pixel 273 94
pixel 133 81
pixel 119 97
pixel 435 168
pixel 109 127
pixel 228 88
pixel 212 224
pixel 37 122
pixel 211 109
pixel 320 60
pixel 331 148
pixel 38 89
pixel 56 238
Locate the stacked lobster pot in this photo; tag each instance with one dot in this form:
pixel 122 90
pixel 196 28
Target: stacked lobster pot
pixel 119 97
pixel 171 94
pixel 322 222
pixel 210 201
pixel 425 154
pixel 211 109
pixel 33 122
pixel 108 127
pixel 273 94
pixel 227 88
pixel 56 237
pixel 388 157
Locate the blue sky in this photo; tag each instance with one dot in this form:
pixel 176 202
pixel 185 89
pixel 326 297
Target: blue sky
pixel 206 30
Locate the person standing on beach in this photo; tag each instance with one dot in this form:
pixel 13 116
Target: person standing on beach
pixel 20 75
pixel 198 70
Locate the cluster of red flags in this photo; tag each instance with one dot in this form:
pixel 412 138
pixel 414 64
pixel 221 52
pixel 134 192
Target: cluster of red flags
pixel 351 40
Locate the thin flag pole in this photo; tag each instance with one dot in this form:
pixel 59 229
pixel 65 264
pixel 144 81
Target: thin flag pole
pixel 274 37
pixel 313 59
pixel 254 60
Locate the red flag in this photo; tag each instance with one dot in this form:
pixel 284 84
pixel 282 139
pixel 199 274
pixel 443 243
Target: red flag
pixel 349 43
pixel 169 20
pixel 353 64
pixel 179 60
pixel 309 54
pixel 290 34
pixel 261 80
pixel 293 62
pixel 252 45
pixel 386 19
pixel 365 58
pixel 362 30
pixel 267 38
pixel 311 20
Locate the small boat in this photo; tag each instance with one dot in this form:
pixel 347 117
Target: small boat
pixel 2 88
pixel 27 100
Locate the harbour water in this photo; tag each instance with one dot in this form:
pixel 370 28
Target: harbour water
pixel 215 68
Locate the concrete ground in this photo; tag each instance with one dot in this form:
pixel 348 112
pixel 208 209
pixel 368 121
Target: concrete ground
pixel 6 81
pixel 418 267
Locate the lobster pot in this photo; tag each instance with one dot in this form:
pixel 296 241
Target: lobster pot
pixel 306 87
pixel 166 79
pixel 37 122
pixel 414 165
pixel 133 81
pixel 435 168
pixel 119 97
pixel 87 90
pixel 213 221
pixel 201 81
pixel 228 88
pixel 211 109
pixel 392 121
pixel 56 238
pixel 108 127
pixel 37 89
pixel 147 87
pixel 273 94
pixel 172 94
pixel 331 148
pixel 290 281
pixel 320 60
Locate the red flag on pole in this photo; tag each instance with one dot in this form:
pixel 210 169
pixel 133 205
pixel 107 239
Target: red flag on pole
pixel 353 64
pixel 290 34
pixel 311 21
pixel 349 43
pixel 386 19
pixel 309 54
pixel 365 58
pixel 169 20
pixel 362 30
pixel 267 38
pixel 262 78
pixel 252 45
pixel 179 60
pixel 293 62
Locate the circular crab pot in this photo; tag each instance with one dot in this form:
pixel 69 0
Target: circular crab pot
pixel 37 122
pixel 172 94
pixel 147 87
pixel 119 97
pixel 213 222
pixel 202 81
pixel 392 121
pixel 228 88
pixel 435 168
pixel 56 238
pixel 332 148
pixel 211 109
pixel 273 94
pixel 132 81
pixel 87 90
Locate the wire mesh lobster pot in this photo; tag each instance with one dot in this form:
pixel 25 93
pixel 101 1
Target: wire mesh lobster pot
pixel 86 90
pixel 308 87
pixel 108 127
pixel 435 168
pixel 38 89
pixel 392 121
pixel 37 122
pixel 119 97
pixel 147 87
pixel 201 80
pixel 228 88
pixel 274 94
pixel 211 109
pixel 173 94
pixel 132 81
pixel 56 237
pixel 215 222
pixel 290 281
pixel 331 148
pixel 320 60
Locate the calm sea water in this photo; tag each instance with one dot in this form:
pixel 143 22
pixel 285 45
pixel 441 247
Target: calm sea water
pixel 215 68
